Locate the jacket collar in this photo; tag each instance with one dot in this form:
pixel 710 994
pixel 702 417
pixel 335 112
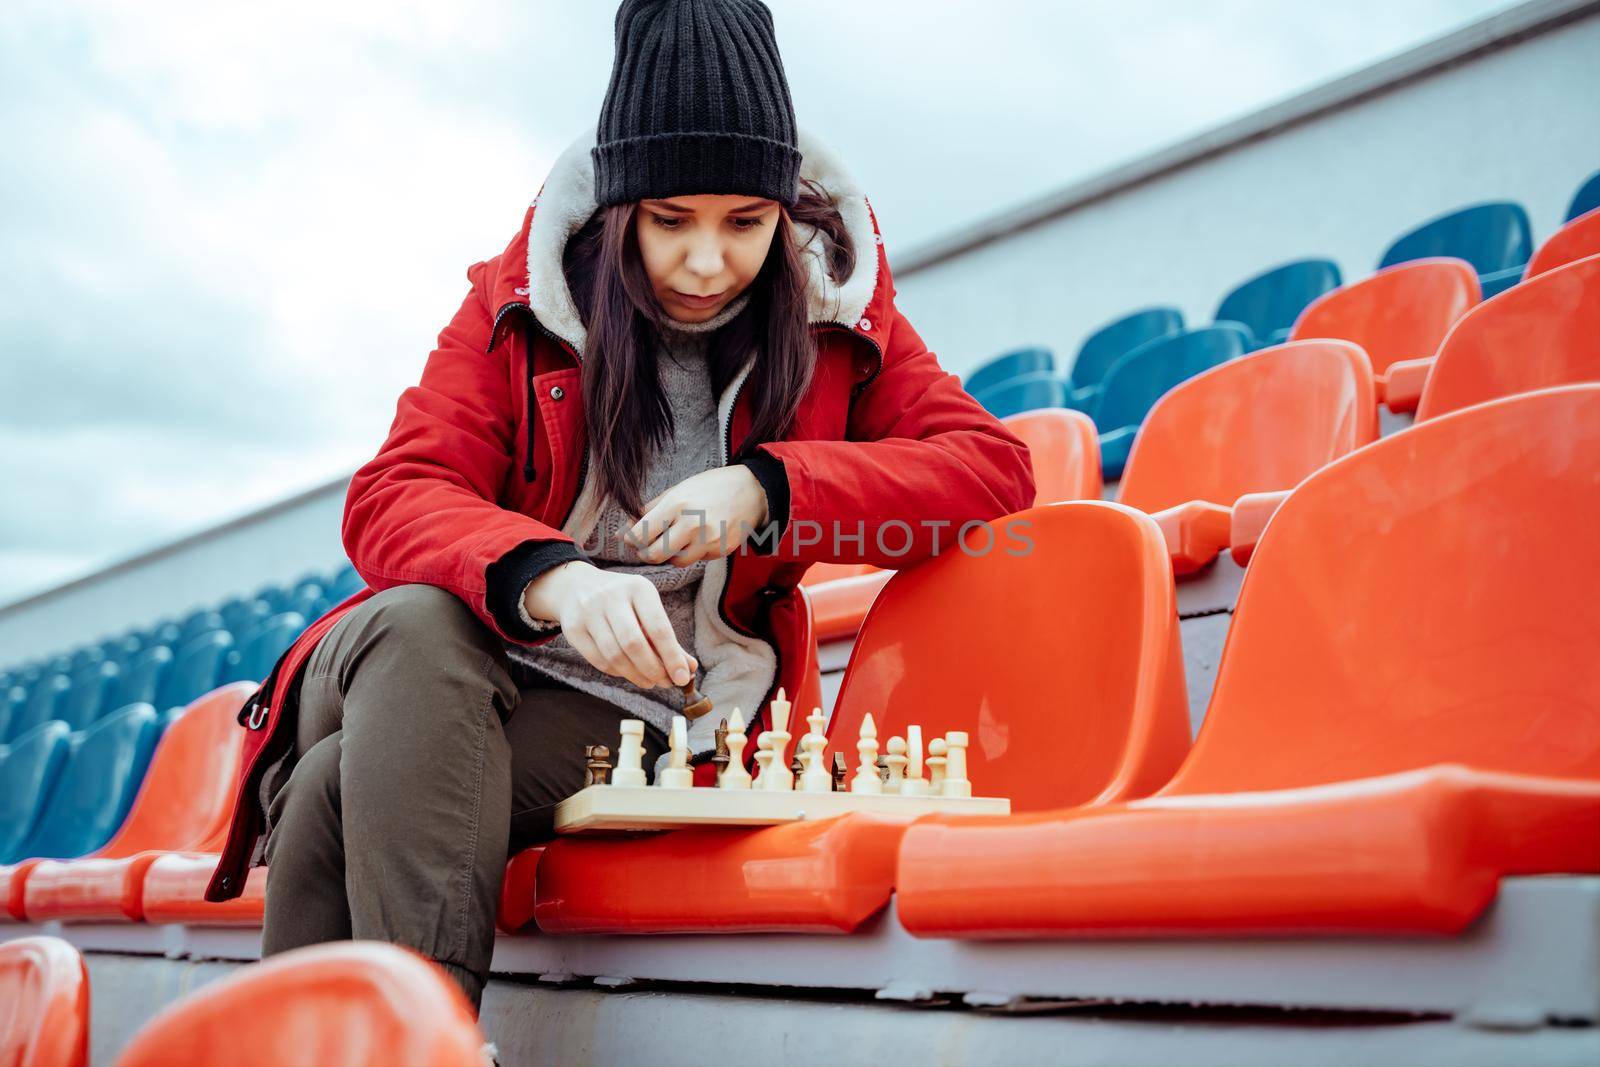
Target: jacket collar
pixel 567 200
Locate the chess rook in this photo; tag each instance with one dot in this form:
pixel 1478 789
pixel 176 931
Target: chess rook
pixel 914 784
pixel 955 767
pixel 630 754
pixel 676 774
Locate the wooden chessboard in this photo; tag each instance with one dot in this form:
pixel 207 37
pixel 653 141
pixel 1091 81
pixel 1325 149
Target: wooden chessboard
pixel 613 808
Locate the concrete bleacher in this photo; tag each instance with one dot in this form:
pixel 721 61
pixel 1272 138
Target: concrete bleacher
pixel 1296 700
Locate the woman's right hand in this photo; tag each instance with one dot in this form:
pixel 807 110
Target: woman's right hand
pixel 615 621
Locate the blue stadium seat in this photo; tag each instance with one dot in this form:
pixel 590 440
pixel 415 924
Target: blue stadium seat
pixel 141 679
pixel 252 660
pixel 101 773
pixel 29 767
pixel 120 650
pixel 12 699
pixel 84 656
pixel 308 600
pixel 1140 378
pixel 196 666
pixel 89 695
pixel 1110 343
pixel 1268 304
pixel 1586 199
pixel 43 703
pixel 1025 392
pixel 241 615
pixel 343 583
pixel 1008 365
pixel 274 595
pixel 1496 238
pixel 166 634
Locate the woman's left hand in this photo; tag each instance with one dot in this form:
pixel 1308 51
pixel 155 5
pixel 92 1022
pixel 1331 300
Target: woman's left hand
pixel 702 517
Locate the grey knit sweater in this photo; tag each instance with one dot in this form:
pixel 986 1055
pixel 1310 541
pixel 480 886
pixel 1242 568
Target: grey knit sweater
pixel 686 379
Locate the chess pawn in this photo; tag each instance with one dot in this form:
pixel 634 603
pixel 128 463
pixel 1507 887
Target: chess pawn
pixel 597 765
pixel 955 767
pixel 896 760
pixel 735 776
pixel 779 778
pixel 815 778
pixel 866 778
pixel 914 784
pixel 630 754
pixel 676 774
pixel 763 760
pixel 936 759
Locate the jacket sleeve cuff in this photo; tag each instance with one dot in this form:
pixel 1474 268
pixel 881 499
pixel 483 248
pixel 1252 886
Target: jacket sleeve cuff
pixel 507 578
pixel 769 471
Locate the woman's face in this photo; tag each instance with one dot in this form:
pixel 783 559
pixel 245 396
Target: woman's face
pixel 708 245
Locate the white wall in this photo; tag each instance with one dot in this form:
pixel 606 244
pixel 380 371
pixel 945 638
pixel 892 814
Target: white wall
pixel 1507 108
pixel 1522 123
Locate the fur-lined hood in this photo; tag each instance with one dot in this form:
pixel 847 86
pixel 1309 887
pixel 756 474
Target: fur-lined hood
pixel 567 199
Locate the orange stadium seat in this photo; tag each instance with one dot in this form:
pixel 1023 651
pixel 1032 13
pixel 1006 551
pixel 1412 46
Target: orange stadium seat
pixel 1255 424
pixel 351 1004
pixel 1399 313
pixel 1407 709
pixel 1086 706
pixel 1065 448
pixel 175 888
pixel 1578 239
pixel 44 1004
pixel 1541 333
pixel 185 799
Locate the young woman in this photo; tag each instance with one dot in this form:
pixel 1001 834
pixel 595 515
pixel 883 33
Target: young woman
pixel 683 381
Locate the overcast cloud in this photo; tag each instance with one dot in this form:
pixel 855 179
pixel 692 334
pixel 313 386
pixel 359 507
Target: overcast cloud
pixel 232 232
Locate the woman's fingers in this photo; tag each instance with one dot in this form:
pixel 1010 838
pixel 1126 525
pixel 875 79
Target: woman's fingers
pixel 642 658
pixel 658 629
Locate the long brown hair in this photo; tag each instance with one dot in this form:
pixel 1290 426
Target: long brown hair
pixel 627 413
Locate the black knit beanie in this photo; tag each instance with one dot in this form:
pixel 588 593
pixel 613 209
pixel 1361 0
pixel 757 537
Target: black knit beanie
pixel 698 103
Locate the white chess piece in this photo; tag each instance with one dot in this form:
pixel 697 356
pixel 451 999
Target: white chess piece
pixel 630 754
pixel 914 785
pixel 735 776
pixel 866 778
pixel 955 768
pixel 816 778
pixel 936 758
pixel 676 774
pixel 896 760
pixel 779 778
pixel 763 760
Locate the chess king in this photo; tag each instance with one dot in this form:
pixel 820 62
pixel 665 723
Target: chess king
pixel 683 380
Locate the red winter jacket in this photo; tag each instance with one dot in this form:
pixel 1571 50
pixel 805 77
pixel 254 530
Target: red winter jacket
pixel 487 453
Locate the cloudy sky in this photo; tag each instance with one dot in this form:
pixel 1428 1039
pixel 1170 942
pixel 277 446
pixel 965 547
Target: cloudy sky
pixel 231 232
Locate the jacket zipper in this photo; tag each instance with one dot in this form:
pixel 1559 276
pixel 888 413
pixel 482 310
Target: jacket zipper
pixel 583 469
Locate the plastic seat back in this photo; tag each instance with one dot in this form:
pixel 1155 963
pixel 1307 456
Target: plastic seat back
pixel 344 582
pixel 43 704
pixel 1025 392
pixel 1116 339
pixel 141 678
pixel 1062 706
pixel 29 767
pixel 1065 452
pixel 1399 313
pixel 1578 239
pixel 1258 423
pixel 187 793
pixel 196 668
pixel 1492 237
pixel 1586 199
pixel 1428 599
pixel 198 623
pixel 91 689
pixel 103 769
pixel 1008 365
pixel 258 652
pixel 1542 333
pixel 350 1004
pixel 1268 304
pixel 1137 380
pixel 13 698
pixel 44 1004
